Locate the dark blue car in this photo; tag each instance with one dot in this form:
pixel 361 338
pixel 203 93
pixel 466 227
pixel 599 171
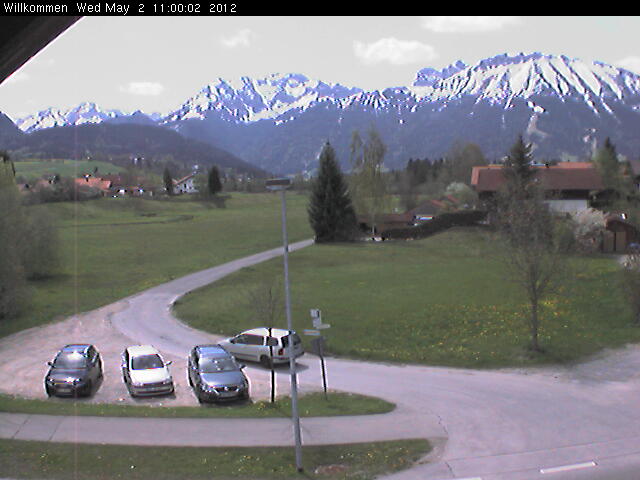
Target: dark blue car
pixel 75 371
pixel 215 375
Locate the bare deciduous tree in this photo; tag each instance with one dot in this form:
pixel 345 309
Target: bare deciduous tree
pixel 267 303
pixel 368 182
pixel 527 226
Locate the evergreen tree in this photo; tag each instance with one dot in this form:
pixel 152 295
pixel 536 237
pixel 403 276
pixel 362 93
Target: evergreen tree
pixel 214 185
pixel 606 160
pixel 168 181
pixel 330 210
pixel 518 171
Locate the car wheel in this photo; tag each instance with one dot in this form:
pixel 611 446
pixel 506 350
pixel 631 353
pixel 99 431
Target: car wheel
pixel 266 362
pixel 88 390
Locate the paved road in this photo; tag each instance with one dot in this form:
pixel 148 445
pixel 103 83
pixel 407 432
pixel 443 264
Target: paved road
pixel 579 422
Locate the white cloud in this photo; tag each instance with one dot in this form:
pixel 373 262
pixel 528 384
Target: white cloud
pixel 630 63
pixel 242 38
pixel 143 88
pixel 394 51
pixel 468 24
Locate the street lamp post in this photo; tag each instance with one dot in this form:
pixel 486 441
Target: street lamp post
pixel 281 184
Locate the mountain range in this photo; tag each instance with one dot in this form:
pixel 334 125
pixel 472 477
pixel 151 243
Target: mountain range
pixel 565 107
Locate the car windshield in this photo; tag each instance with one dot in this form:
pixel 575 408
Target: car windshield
pixel 214 365
pixel 70 361
pixel 144 362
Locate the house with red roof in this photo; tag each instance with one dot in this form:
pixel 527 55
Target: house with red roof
pixel 89 181
pixel 185 185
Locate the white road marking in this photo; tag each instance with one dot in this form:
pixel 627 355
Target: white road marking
pixel 564 468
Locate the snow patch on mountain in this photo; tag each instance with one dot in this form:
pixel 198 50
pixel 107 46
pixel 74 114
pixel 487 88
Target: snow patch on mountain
pixel 499 80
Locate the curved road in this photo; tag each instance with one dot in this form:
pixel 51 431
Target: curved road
pixel 572 423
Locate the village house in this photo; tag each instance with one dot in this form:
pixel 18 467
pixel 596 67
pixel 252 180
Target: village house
pixel 569 187
pixel 185 185
pixel 89 181
pixel 423 212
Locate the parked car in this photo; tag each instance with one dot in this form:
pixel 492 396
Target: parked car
pixel 215 375
pixel 145 372
pixel 75 370
pixel 260 346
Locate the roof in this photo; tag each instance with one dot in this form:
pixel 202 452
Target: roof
pixel 184 179
pixel 142 350
pixel 563 176
pixel 635 167
pixel 212 350
pixel 427 207
pixel 21 37
pixel 275 332
pixel 76 347
pixel 93 182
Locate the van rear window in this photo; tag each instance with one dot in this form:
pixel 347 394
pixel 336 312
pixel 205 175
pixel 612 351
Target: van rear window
pixel 285 340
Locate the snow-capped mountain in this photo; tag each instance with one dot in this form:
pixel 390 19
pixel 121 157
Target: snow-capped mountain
pixel 86 112
pixel 251 100
pixel 503 78
pixel 563 106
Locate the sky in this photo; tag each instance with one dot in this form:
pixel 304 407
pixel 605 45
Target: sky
pixel 154 64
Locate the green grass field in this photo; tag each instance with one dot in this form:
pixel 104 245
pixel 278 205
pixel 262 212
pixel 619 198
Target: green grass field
pixel 25 459
pixel 112 248
pixel 444 300
pixel 33 169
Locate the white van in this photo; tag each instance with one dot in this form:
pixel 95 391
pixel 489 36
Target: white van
pixel 260 345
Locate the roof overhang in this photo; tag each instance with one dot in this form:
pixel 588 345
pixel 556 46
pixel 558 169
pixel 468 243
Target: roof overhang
pixel 21 37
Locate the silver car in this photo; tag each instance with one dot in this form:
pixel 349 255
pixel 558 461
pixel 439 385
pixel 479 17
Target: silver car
pixel 264 345
pixel 215 376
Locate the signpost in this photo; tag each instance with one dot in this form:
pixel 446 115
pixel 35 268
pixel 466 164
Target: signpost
pixel 318 343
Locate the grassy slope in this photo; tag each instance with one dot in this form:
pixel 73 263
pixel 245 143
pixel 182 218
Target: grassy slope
pixel 113 248
pixel 445 300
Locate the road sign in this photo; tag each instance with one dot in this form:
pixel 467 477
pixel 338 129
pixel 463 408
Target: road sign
pixel 314 333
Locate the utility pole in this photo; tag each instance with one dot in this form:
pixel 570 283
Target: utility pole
pixel 281 184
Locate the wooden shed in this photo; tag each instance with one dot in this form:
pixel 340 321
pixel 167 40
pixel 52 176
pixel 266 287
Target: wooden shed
pixel 619 235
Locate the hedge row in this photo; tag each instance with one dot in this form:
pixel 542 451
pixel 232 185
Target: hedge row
pixel 437 224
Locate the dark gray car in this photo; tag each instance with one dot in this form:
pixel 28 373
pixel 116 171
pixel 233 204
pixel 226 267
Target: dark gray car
pixel 75 371
pixel 215 375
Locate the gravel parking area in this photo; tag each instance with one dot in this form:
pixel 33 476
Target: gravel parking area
pixel 24 357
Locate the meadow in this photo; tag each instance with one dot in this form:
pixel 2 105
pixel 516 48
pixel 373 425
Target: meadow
pixel 34 169
pixel 445 300
pixel 115 247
